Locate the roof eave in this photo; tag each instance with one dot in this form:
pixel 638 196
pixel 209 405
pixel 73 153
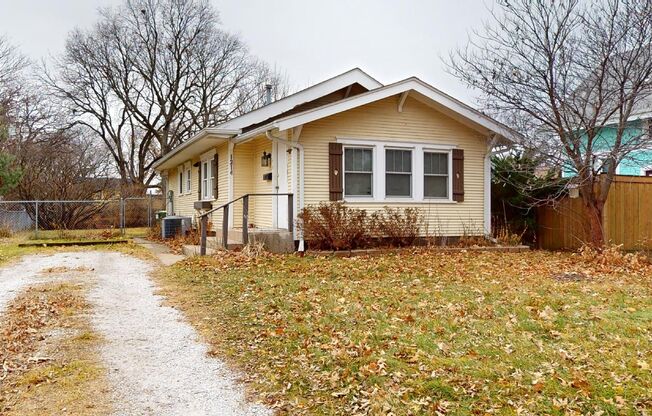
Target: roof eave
pixel 209 132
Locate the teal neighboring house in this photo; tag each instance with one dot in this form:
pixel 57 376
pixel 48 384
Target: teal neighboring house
pixel 637 163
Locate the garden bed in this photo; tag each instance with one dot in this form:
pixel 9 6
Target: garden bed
pixel 381 251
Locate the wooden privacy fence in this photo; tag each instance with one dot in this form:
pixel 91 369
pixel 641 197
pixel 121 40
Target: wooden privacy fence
pixel 627 218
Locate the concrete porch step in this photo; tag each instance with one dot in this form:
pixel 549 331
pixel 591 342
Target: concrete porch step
pixel 274 240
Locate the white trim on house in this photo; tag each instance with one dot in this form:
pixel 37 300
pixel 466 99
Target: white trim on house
pixel 354 76
pixel 378 172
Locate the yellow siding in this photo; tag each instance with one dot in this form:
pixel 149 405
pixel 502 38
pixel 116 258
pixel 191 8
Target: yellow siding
pixel 243 177
pixel 417 123
pixel 262 205
pixel 184 204
pixel 222 185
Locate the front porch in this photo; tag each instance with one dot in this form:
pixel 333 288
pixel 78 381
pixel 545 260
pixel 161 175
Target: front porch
pixel 230 236
pixel 273 239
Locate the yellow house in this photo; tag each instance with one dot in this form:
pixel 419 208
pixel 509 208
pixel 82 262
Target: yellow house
pixel 348 138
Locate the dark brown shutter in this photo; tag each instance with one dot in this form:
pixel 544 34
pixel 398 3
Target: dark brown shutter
pixel 458 175
pixel 215 170
pixel 199 198
pixel 335 171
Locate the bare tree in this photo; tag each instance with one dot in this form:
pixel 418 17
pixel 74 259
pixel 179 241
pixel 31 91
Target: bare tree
pixel 150 74
pixel 12 64
pixel 564 71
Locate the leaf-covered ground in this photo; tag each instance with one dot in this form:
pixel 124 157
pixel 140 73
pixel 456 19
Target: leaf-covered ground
pixel 430 333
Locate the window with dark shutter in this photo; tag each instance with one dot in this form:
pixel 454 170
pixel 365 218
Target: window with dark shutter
pixel 358 171
pixel 435 174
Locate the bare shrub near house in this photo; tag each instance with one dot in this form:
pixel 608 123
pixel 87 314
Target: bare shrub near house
pixel 398 227
pixel 334 226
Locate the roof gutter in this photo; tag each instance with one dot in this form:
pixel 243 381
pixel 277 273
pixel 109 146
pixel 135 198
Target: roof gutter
pixel 299 180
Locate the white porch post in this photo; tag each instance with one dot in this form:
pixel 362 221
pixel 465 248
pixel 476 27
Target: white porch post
pixel 230 169
pixel 487 185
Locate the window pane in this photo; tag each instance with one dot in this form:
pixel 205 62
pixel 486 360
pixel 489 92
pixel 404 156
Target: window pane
pixel 213 179
pixel 180 182
pixel 397 184
pixel 435 163
pixel 435 187
pixel 398 160
pixel 366 155
pixel 357 184
pixel 358 160
pixel 348 159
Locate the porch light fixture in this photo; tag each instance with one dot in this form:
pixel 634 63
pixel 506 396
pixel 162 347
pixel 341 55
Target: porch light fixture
pixel 266 159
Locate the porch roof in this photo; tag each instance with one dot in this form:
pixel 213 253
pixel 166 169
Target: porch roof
pixel 202 142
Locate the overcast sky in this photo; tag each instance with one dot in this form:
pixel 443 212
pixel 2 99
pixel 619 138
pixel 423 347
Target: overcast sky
pixel 308 40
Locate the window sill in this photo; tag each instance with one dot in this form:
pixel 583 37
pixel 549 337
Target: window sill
pixel 399 201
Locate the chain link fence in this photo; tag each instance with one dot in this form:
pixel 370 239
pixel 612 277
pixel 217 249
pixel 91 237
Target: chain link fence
pixel 52 218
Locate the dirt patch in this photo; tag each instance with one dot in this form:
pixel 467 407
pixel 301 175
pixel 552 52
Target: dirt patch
pixel 47 354
pixel 64 269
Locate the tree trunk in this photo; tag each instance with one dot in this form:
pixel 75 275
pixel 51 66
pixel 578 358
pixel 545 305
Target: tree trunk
pixel 594 213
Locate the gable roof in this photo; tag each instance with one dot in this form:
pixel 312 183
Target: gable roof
pixel 413 86
pixel 302 107
pixel 331 85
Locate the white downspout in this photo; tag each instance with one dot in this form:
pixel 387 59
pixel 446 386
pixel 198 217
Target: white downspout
pixel 300 188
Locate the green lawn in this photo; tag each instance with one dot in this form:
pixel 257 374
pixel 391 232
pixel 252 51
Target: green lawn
pixel 425 332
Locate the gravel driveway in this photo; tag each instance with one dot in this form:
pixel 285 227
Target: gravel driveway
pixel 156 363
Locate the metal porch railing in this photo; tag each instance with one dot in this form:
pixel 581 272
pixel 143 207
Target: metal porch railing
pixel 245 219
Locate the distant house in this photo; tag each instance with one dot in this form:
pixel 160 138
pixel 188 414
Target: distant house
pixel 349 139
pixel 639 161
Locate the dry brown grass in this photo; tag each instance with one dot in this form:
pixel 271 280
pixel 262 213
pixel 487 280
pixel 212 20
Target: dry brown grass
pixel 48 355
pixel 423 332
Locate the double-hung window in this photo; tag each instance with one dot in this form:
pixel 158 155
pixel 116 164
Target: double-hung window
pixel 205 178
pixel 208 171
pixel 435 174
pixel 358 171
pixel 398 172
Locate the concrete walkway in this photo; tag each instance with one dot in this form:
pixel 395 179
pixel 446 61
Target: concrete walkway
pixel 161 251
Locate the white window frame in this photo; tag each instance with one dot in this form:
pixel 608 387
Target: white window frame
pixel 411 174
pixel 188 178
pixel 449 191
pixel 378 147
pixel 206 162
pixel 365 198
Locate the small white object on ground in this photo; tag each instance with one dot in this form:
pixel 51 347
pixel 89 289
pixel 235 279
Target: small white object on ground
pixel 156 363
